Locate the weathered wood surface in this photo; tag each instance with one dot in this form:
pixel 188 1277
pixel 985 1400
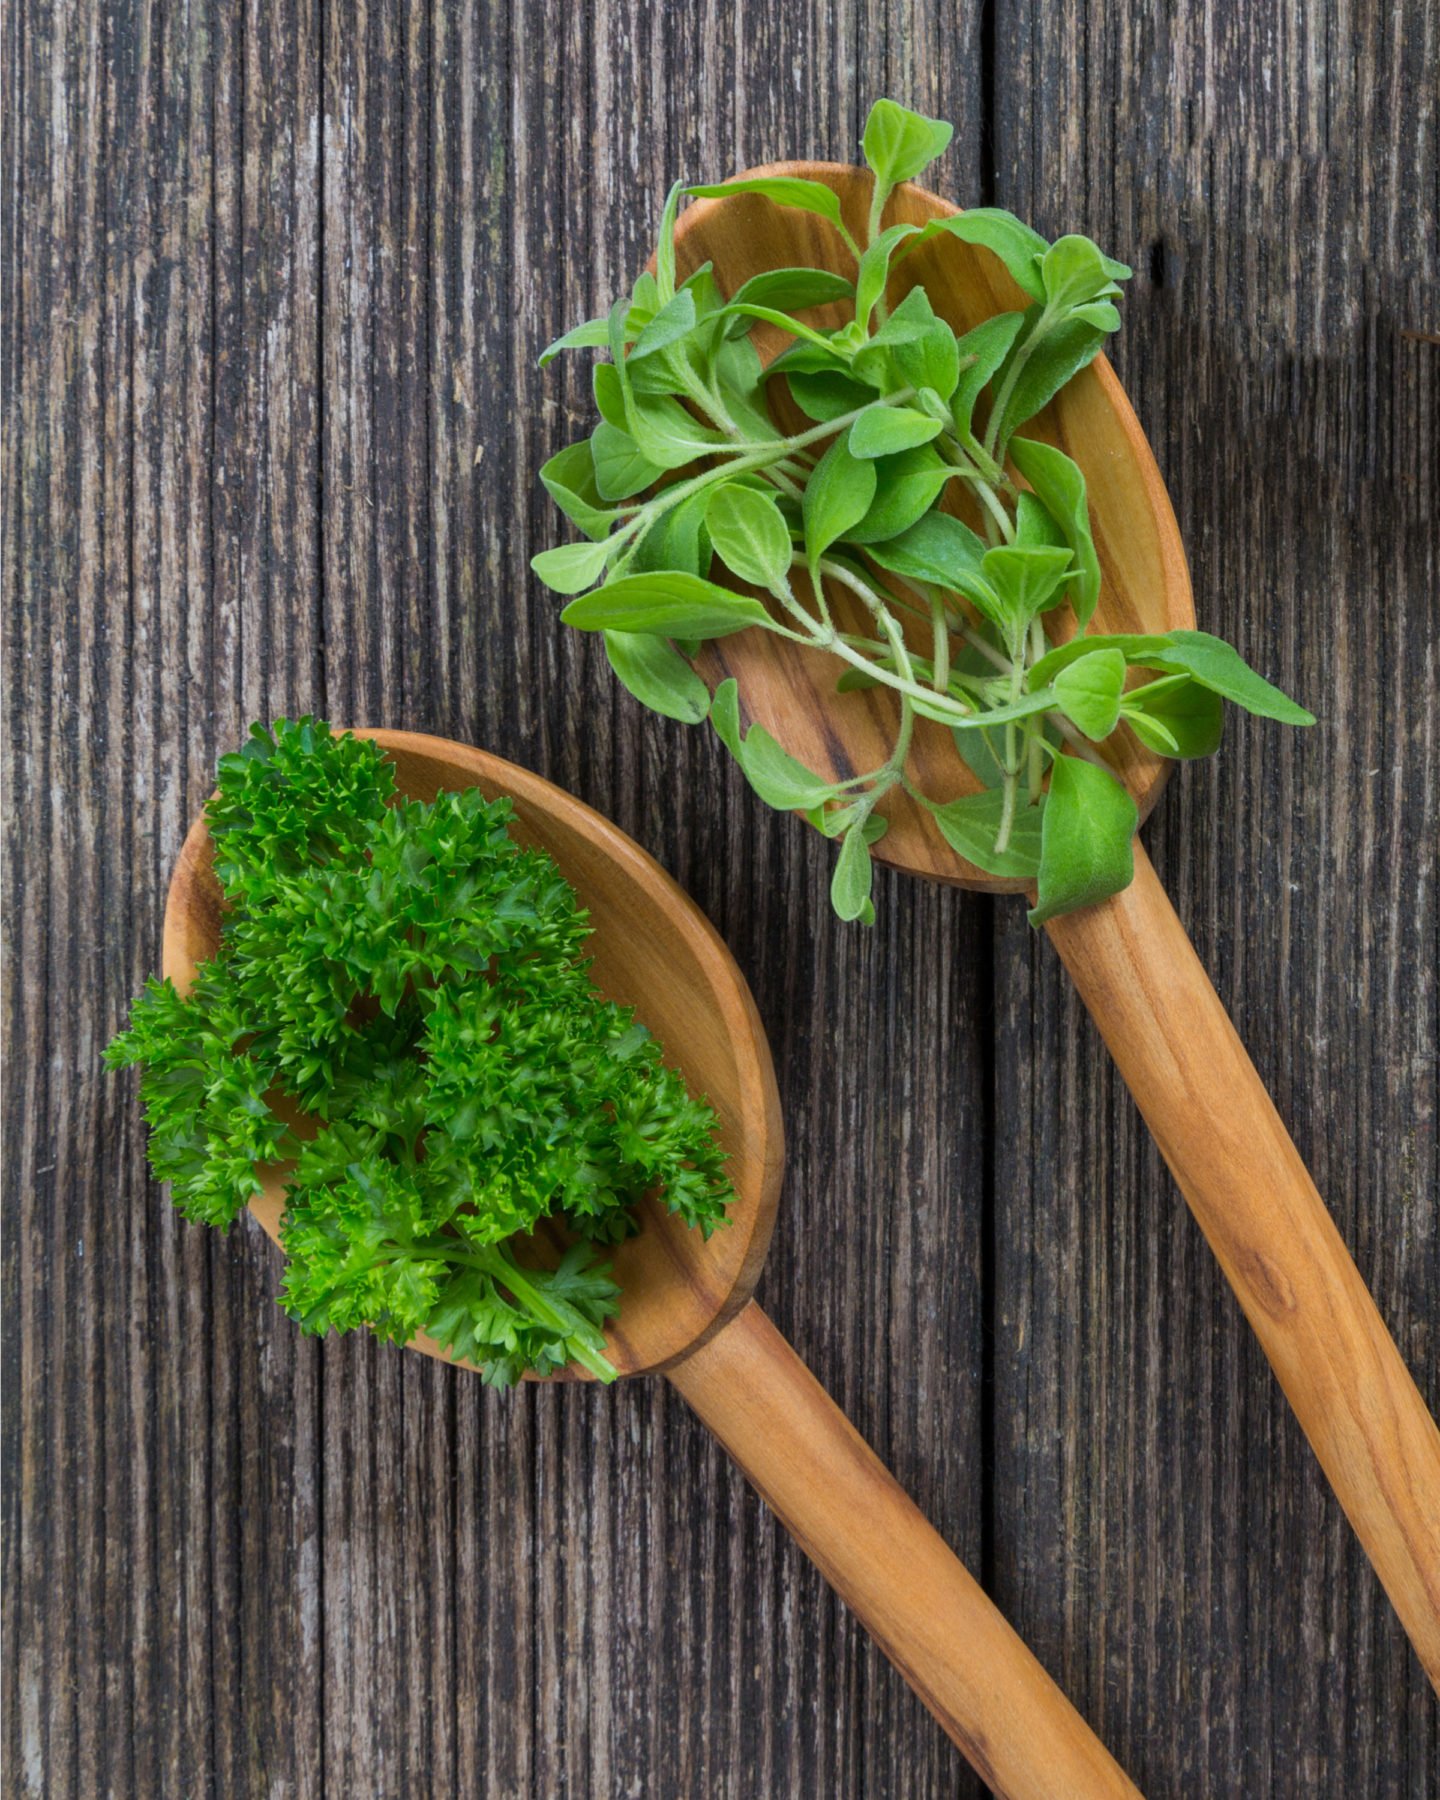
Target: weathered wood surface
pixel 274 280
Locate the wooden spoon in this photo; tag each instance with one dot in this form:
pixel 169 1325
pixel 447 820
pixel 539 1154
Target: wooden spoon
pixel 1130 957
pixel 687 1309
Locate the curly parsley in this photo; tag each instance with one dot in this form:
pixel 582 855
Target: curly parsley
pixel 400 1007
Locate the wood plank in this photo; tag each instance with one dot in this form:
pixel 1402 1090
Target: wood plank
pixel 55 224
pixel 126 1563
pixel 812 1708
pixel 545 181
pixel 150 613
pixel 388 1505
pixel 591 186
pixel 1171 1542
pixel 267 1405
pixel 494 1531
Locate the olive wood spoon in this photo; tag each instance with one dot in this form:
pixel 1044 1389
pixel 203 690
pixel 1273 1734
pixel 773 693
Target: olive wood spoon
pixel 686 1307
pixel 1130 957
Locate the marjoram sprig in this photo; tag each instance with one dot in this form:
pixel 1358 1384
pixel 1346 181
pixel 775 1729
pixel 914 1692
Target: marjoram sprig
pixel 689 468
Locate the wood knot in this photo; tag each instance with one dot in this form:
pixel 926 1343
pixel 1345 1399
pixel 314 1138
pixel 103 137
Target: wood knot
pixel 1268 1283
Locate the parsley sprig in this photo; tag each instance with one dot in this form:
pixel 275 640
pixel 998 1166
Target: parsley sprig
pixel 400 1007
pixel 689 467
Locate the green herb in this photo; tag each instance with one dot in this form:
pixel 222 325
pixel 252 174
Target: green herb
pixel 689 486
pixel 400 1007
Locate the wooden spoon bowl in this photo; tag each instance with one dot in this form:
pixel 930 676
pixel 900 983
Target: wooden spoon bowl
pixel 685 1302
pixel 679 1288
pixel 1145 585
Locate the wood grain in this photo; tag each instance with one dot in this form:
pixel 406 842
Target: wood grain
pixel 894 1570
pixel 274 281
pixel 1252 1196
pixel 1262 174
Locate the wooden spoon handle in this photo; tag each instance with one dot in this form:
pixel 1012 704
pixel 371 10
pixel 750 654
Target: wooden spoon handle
pixel 891 1567
pixel 1281 1252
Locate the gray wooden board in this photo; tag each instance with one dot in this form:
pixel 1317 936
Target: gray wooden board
pixel 274 281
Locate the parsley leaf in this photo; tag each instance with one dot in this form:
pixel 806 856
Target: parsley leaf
pixel 400 1009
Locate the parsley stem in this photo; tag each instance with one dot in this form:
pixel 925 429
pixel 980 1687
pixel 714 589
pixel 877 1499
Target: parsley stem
pixel 488 1260
pixel 567 1321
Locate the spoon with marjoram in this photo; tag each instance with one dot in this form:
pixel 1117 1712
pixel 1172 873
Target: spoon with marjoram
pixel 1129 956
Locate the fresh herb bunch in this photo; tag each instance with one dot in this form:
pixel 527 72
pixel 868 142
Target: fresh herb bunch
pixel 401 1006
pixel 689 466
